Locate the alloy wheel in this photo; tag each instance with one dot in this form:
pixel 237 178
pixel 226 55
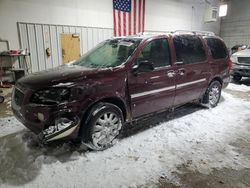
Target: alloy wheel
pixel 106 129
pixel 214 95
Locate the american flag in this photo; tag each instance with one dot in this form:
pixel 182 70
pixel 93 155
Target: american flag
pixel 129 17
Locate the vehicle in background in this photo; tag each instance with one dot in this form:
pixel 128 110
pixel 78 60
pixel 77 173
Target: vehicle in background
pixel 238 48
pixel 119 81
pixel 241 64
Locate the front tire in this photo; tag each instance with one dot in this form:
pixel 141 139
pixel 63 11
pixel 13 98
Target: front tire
pixel 104 124
pixel 212 95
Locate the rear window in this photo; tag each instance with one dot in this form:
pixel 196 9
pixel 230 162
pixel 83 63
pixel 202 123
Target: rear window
pixel 217 48
pixel 189 49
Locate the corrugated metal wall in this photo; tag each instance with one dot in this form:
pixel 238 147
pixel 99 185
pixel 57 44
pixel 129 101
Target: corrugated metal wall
pixel 235 27
pixel 37 37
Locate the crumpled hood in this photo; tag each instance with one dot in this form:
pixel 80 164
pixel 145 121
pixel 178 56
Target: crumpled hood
pixel 61 74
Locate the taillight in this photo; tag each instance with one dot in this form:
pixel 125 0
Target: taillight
pixel 230 65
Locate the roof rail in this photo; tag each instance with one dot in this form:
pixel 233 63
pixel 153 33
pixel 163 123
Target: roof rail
pixel 154 33
pixel 206 33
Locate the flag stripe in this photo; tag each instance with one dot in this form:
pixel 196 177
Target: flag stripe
pixel 143 16
pixel 129 23
pixel 119 23
pixel 114 22
pixel 139 17
pixel 124 24
pixel 134 17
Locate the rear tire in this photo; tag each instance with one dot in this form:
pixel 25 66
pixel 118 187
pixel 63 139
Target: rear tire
pixel 237 78
pixel 103 126
pixel 212 95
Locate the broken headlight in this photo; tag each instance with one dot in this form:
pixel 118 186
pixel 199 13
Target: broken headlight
pixel 51 96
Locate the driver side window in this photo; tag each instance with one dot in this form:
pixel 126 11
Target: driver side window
pixel 156 52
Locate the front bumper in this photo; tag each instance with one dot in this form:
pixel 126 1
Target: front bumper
pixel 240 70
pixel 50 129
pixel 63 128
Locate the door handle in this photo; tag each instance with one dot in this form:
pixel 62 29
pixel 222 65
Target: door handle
pixel 181 72
pixel 171 74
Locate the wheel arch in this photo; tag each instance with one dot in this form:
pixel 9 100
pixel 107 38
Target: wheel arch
pixel 217 78
pixel 204 99
pixel 113 100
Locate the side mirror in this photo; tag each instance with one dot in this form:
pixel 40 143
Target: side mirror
pixel 143 66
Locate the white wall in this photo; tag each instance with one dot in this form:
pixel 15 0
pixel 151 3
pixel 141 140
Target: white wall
pixel 235 27
pixel 161 15
pixel 169 15
pixel 65 12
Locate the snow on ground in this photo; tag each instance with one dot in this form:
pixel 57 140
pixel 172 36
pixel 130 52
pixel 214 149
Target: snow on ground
pixel 201 139
pixel 238 87
pixel 9 125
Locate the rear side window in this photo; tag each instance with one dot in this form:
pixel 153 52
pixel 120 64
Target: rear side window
pixel 189 49
pixel 217 48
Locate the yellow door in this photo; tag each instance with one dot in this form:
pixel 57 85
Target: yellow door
pixel 70 45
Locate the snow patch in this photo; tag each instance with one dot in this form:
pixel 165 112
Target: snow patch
pixel 10 125
pixel 201 139
pixel 237 87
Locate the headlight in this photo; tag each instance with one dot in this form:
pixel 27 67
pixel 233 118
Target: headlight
pixel 51 96
pixel 233 59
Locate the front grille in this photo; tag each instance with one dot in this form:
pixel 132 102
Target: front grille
pixel 18 97
pixel 245 60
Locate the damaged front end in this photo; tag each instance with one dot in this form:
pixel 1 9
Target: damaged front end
pixel 52 113
pixel 63 128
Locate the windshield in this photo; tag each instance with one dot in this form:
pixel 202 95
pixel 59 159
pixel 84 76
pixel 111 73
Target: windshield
pixel 109 53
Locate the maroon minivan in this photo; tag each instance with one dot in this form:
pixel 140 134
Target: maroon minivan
pixel 120 80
